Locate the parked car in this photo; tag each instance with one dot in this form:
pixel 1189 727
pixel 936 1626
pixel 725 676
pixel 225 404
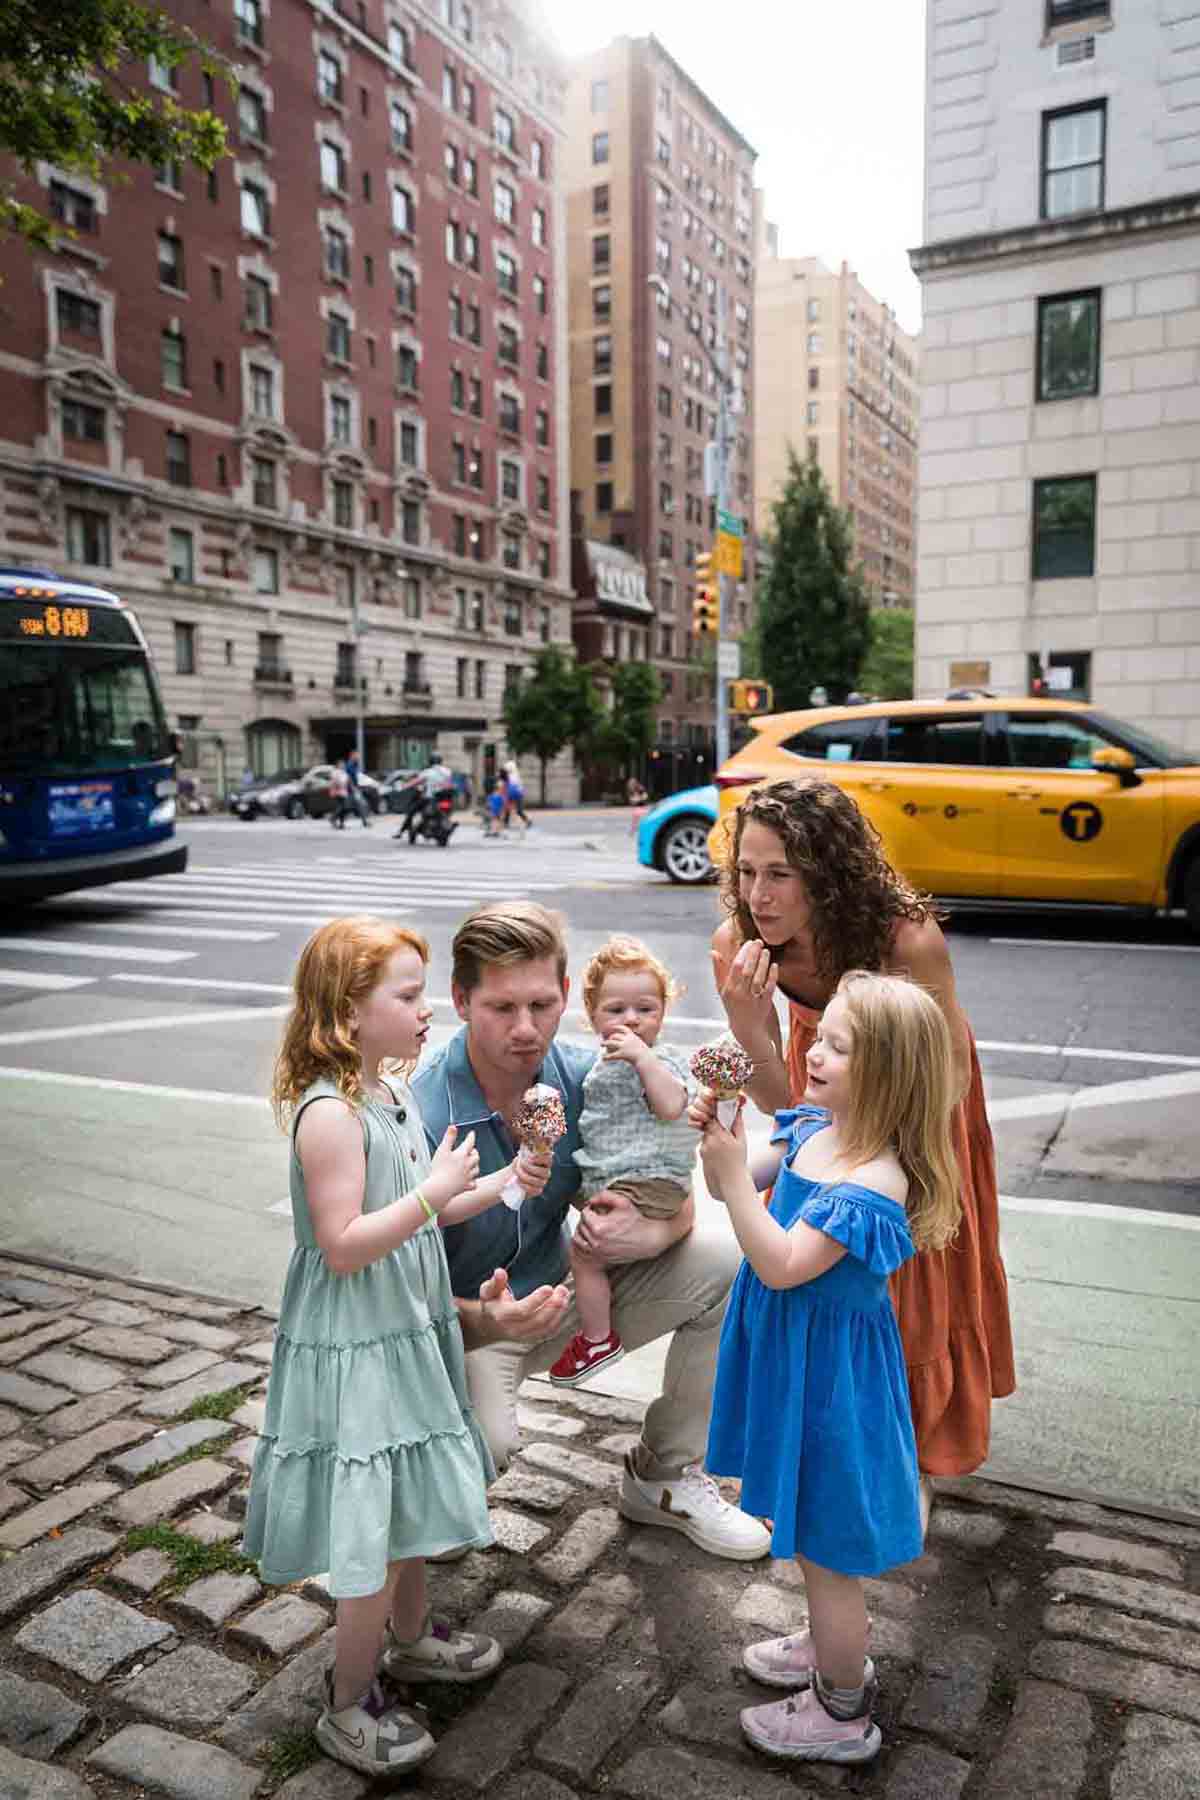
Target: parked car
pixel 297 793
pixel 673 835
pixel 992 801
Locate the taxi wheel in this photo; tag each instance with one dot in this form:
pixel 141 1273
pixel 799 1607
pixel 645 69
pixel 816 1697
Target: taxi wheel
pixel 683 850
pixel 1191 894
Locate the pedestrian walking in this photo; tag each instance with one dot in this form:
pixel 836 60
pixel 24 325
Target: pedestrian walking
pixel 810 1405
pixel 497 800
pixel 339 793
pixel 809 895
pixel 370 1458
pixel 514 794
pixel 358 799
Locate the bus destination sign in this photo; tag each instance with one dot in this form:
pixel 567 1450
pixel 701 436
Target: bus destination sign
pixel 56 621
pixel 33 617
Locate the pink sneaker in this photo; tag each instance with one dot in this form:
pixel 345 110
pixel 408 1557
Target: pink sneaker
pixel 788 1662
pixel 581 1358
pixel 802 1730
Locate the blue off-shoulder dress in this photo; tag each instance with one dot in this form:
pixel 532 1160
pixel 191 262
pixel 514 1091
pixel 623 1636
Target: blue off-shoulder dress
pixel 810 1405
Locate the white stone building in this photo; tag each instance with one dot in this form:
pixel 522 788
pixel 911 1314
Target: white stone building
pixel 1060 426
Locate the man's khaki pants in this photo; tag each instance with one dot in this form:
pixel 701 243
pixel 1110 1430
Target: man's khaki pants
pixel 683 1292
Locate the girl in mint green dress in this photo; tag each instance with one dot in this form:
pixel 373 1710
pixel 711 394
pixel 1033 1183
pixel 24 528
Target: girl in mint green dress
pixel 370 1458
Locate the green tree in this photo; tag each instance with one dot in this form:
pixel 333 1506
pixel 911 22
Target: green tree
pixel 66 96
pixel 887 671
pixel 557 706
pixel 813 612
pixel 624 734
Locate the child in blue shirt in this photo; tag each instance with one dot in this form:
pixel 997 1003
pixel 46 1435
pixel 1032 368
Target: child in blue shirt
pixel 811 1407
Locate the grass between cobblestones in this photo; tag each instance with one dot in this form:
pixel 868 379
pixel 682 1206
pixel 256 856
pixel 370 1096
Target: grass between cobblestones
pixel 217 1406
pixel 287 1754
pixel 192 1559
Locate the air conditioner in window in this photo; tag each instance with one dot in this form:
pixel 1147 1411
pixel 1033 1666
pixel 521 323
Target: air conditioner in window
pixel 1075 50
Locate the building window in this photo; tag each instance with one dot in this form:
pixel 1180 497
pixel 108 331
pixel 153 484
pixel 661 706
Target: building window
pixel 506 273
pixel 815 345
pixel 663 402
pixel 340 418
pixel 604 496
pixel 329 77
pixel 600 201
pixel 410 444
pixel 514 624
pixel 505 203
pixel 71 206
pixel 255 211
pixel 537 226
pixel 174 358
pixel 537 158
pixel 400 120
pixel 248 15
pixel 1066 12
pixel 541 428
pixel 410 521
pixel 266 570
pixel 1073 160
pixel 510 550
pixel 508 346
pixel 542 364
pixel 604 447
pixel 170 260
pixel 83 422
pixel 599 96
pixel 262 477
pixel 76 314
pixel 603 393
pixel 252 116
pixel 504 129
pixel 343 504
pixel 88 537
pixel 510 481
pixel 814 378
pixel 179 459
pixel 541 294
pixel 599 147
pixel 510 415
pixel 185 649
pixel 333 167
pixel 406 369
pixel 258 304
pixel 181 555
pixel 601 254
pixel 601 355
pixel 1064 527
pixel 337 338
pixel 812 412
pixel 406 290
pixel 262 392
pixel 461 667
pixel 1068 346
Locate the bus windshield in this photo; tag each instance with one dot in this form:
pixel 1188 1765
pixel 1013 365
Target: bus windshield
pixel 73 709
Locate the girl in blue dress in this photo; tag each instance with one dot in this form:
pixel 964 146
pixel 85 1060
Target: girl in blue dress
pixel 811 1406
pixel 370 1458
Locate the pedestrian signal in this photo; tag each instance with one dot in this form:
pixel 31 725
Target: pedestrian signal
pixel 750 697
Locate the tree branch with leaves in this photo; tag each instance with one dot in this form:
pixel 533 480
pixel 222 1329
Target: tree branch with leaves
pixel 558 706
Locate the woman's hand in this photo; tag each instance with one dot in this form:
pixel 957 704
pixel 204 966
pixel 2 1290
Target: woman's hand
pixel 533 1169
pixel 747 989
pixel 455 1167
pixel 723 1153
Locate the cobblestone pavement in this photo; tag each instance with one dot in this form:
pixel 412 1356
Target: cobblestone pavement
pixel 1041 1649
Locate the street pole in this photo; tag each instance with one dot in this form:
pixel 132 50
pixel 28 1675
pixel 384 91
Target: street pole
pixel 724 506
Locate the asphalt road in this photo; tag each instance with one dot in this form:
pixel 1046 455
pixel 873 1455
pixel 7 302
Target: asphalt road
pixel 138 1025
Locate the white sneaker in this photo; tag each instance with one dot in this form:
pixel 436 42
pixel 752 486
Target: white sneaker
pixel 371 1735
pixel 691 1503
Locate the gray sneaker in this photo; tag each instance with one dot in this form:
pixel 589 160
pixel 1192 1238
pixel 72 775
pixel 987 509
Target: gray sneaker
pixel 440 1654
pixel 372 1735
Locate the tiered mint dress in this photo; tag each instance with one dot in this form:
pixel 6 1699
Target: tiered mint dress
pixel 810 1403
pixel 370 1452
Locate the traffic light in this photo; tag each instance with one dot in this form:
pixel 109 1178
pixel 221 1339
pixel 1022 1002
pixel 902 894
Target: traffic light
pixel 706 606
pixel 750 697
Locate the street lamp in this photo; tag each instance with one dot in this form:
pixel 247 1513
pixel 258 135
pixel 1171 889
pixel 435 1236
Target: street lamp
pixel 719 362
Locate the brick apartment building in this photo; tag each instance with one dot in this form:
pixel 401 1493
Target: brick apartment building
pixel 837 378
pixel 659 196
pixel 327 382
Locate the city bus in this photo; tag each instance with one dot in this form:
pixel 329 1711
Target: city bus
pixel 87 765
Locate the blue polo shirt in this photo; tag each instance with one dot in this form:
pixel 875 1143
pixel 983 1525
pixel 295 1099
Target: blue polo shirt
pixel 447 1093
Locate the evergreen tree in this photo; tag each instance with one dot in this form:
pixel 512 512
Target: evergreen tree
pixel 887 670
pixel 813 611
pixel 557 706
pixel 66 97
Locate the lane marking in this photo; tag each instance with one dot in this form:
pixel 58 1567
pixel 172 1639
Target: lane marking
pixel 1114 1093
pixel 359 876
pixel 228 1015
pixel 58 1078
pixel 1094 944
pixel 392 904
pixel 36 978
pixel 1071 1050
pixel 40 946
pixel 185 931
pixel 1095 1209
pixel 199 981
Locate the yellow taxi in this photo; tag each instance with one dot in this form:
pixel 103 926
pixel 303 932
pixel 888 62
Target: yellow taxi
pixel 999 801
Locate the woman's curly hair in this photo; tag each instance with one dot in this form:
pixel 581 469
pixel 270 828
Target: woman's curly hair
pixel 855 895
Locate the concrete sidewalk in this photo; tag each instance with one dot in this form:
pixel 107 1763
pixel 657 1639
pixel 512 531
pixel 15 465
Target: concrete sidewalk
pixel 1040 1649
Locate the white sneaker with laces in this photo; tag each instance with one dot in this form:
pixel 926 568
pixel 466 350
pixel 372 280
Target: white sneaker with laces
pixel 372 1734
pixel 691 1503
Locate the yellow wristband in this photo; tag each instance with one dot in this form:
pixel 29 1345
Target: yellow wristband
pixel 423 1203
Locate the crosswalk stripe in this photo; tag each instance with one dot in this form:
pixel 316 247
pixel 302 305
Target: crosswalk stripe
pixel 42 978
pixel 201 981
pixel 337 907
pixel 442 876
pixel 184 931
pixel 40 946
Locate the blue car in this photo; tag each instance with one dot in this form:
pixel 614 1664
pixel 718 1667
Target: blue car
pixel 673 836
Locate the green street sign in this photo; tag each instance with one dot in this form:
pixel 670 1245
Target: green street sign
pixel 731 524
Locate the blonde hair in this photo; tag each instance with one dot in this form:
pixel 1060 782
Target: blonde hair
pixel 625 955
pixel 338 967
pixel 503 933
pixel 902 1096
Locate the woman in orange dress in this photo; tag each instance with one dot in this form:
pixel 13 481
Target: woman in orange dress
pixel 809 895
